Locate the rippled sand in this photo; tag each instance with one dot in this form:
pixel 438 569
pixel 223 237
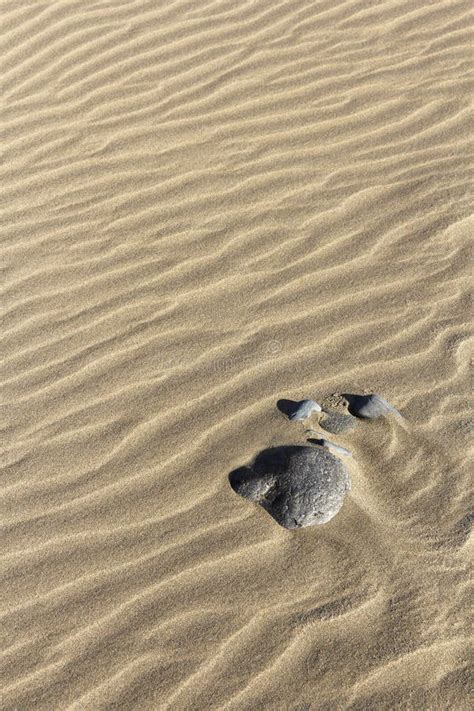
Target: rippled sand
pixel 208 206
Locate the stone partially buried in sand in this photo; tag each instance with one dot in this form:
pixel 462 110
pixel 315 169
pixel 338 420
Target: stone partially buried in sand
pixel 370 407
pixel 298 486
pixel 327 444
pixel 341 412
pixel 336 416
pixel 337 422
pixel 304 409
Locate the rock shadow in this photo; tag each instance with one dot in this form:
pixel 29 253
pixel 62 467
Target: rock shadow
pixel 270 462
pixel 288 407
pixel 355 402
pixel 315 440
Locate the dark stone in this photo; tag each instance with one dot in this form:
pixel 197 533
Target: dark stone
pixel 298 486
pixel 337 422
pixel 336 417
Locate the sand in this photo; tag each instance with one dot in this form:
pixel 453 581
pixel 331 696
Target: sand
pixel 209 206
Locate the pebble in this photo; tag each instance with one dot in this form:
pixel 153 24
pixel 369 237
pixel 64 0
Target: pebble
pixel 369 407
pixel 337 422
pixel 336 448
pixel 304 409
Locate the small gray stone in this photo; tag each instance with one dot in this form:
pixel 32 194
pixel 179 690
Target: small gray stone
pixel 370 407
pixel 335 448
pixel 338 422
pixel 317 438
pixel 298 486
pixel 304 410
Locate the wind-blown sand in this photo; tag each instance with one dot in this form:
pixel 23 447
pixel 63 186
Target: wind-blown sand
pixel 209 206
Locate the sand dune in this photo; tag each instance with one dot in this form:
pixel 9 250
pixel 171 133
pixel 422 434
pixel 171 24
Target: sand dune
pixel 209 206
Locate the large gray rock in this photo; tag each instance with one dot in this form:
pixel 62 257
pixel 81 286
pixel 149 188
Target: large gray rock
pixel 298 486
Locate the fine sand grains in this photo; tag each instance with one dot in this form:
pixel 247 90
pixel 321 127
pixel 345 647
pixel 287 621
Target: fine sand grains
pixel 209 206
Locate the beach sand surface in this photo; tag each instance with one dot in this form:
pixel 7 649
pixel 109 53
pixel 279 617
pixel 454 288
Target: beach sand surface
pixel 209 206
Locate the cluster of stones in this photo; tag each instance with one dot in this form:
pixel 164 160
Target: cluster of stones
pixel 304 485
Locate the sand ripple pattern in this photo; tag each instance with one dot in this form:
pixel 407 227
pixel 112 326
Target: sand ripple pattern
pixel 210 205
